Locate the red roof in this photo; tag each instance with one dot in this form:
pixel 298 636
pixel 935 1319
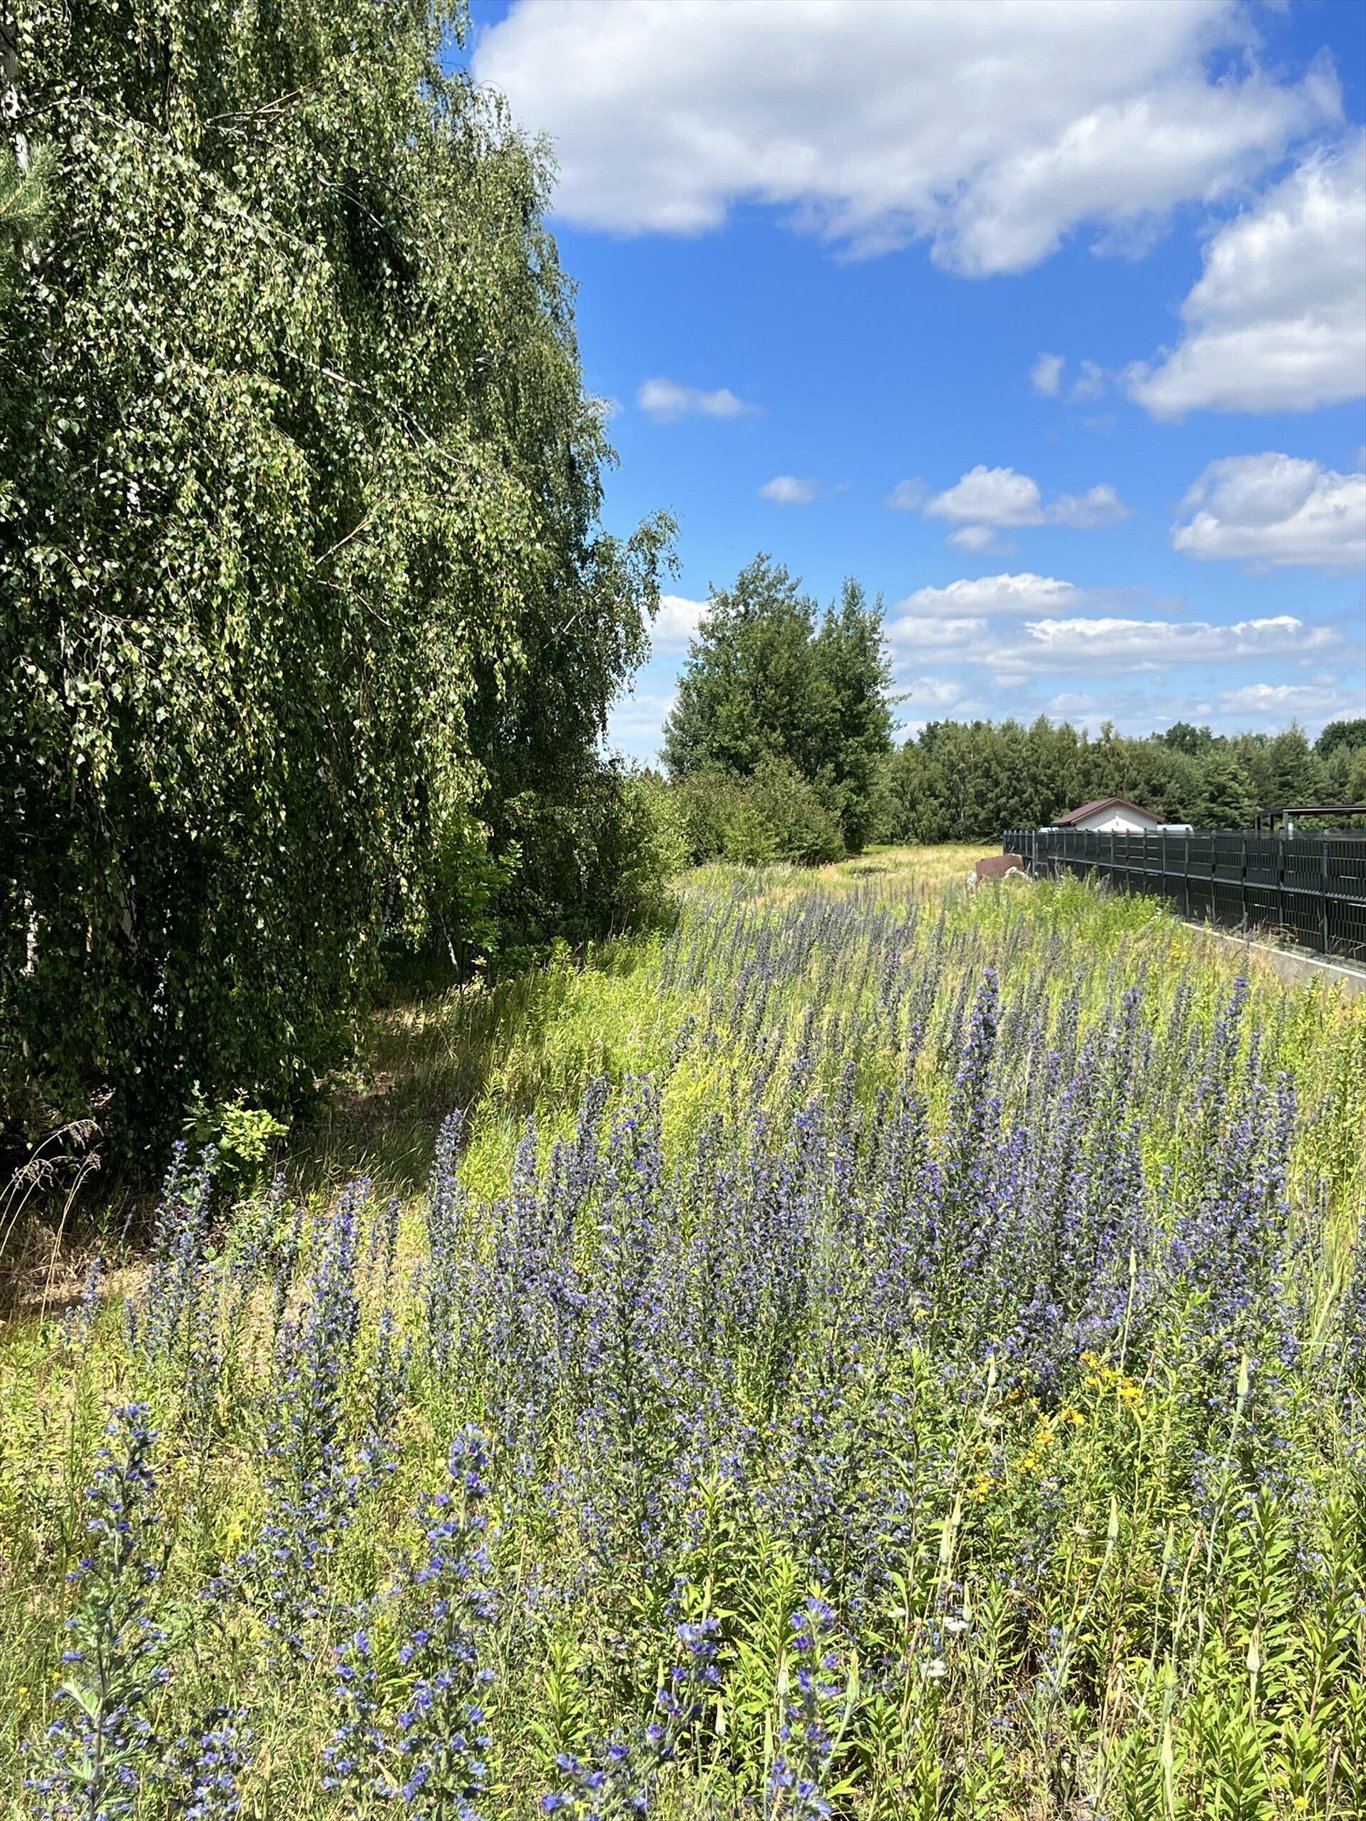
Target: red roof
pixel 1074 816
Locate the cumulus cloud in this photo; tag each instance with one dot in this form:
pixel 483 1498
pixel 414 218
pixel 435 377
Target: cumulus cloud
pixel 1137 710
pixel 1070 702
pixel 1045 376
pixel 906 496
pixel 926 632
pixel 931 693
pixel 635 725
pixel 989 127
pixel 972 537
pixel 1275 510
pixel 1097 506
pixel 1287 700
pixel 997 595
pixel 1118 645
pixel 666 401
pixel 1091 382
pixel 606 407
pixel 789 490
pixel 1277 321
pixel 990 496
pixel 678 620
pixel 1002 498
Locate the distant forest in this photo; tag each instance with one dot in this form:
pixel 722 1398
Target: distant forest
pixel 967 781
pixel 781 747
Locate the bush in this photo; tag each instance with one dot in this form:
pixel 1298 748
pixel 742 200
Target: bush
pixel 592 860
pixel 805 828
pixel 774 815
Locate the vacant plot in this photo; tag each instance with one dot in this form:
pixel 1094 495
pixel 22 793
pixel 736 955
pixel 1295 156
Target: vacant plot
pixel 878 1351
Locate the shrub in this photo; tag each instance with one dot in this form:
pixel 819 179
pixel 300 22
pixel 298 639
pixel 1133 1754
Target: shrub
pixel 593 859
pixel 805 829
pixel 774 815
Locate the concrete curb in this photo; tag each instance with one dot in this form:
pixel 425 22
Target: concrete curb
pixel 1298 969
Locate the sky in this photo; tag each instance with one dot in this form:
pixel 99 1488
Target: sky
pixel 1045 319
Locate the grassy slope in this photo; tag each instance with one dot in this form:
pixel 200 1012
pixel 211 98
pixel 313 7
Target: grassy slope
pixel 1132 1564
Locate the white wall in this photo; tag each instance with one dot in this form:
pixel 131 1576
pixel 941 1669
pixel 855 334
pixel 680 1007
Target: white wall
pixel 1118 822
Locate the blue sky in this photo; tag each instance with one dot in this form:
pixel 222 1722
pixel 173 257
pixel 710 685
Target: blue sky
pixel 1044 318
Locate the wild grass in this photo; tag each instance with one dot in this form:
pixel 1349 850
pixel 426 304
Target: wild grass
pixel 878 1350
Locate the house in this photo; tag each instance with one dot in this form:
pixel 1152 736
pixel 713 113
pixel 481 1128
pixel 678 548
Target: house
pixel 1111 816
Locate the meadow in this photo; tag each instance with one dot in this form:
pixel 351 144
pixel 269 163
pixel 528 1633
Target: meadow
pixel 875 1350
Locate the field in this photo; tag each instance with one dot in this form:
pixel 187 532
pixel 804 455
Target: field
pixel 876 1351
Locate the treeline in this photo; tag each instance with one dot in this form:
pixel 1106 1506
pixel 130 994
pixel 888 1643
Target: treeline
pixel 308 627
pixel 780 747
pixel 969 781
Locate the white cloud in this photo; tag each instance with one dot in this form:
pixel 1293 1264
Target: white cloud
pixel 1136 710
pixel 789 490
pixel 1069 702
pixel 1045 376
pixel 1118 645
pixel 1002 497
pixel 1097 506
pixel 1287 700
pixel 635 725
pixel 930 692
pixel 928 632
pixel 665 401
pixel 997 595
pixel 991 127
pixel 606 407
pixel 678 619
pixel 906 496
pixel 1091 383
pixel 972 537
pixel 1277 321
pixel 1275 509
pixel 990 496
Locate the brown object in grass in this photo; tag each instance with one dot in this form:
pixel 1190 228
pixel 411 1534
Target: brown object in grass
pixel 996 866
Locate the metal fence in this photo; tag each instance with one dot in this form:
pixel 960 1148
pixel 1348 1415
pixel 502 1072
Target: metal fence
pixel 1309 889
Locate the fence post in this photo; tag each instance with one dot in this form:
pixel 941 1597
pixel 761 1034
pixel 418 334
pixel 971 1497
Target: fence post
pixel 1242 880
pixel 1280 881
pixel 1186 877
pixel 1323 901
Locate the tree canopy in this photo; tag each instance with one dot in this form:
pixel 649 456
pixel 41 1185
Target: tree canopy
pixel 308 626
pixel 770 680
pixel 970 781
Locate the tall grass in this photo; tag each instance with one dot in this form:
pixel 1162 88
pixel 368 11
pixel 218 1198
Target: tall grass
pixel 877 1351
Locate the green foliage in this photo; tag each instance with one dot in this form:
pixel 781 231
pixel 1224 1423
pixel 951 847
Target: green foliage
pixel 1152 1569
pixel 243 1138
pixel 1182 737
pixel 804 829
pixel 1338 736
pixel 307 628
pixel 1225 798
pixel 774 814
pixel 969 781
pixel 769 682
pixel 595 851
pixel 23 208
pixel 1287 771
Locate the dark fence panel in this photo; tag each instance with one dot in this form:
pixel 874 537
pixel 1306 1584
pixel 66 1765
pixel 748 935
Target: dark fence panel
pixel 1309 889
